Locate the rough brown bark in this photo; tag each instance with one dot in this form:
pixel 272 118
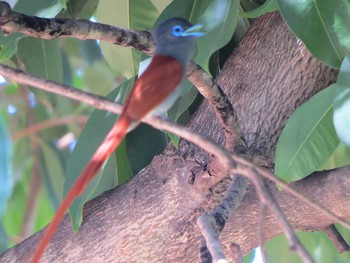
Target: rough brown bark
pixel 152 218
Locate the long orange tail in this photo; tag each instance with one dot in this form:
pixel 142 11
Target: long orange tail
pixel 111 142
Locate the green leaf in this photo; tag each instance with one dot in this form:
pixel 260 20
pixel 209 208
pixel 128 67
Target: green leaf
pixel 268 6
pixel 160 4
pixel 41 8
pixel 308 139
pixel 54 174
pixel 4 240
pixel 6 179
pixel 339 158
pixel 8 45
pixel 248 258
pixel 41 58
pixel 182 104
pixel 341 115
pixel 133 14
pixel 345 233
pixel 323 26
pixel 80 9
pixel 124 170
pixel 218 36
pixel 343 80
pixel 317 243
pixel 94 132
pixel 13 218
pixel 143 144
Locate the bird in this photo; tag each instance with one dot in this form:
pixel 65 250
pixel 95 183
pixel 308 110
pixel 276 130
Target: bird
pixel 153 93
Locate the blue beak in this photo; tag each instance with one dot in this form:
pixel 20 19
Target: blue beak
pixel 194 31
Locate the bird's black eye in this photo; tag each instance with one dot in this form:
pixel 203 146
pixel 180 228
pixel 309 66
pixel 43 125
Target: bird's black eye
pixel 177 31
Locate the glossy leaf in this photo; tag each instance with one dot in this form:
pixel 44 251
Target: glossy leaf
pixel 268 6
pixel 160 4
pixel 341 115
pixel 41 58
pixel 343 80
pixel 143 144
pixel 339 158
pixel 124 171
pixel 220 35
pixel 6 178
pixel 182 104
pixel 54 173
pixel 95 130
pixel 12 220
pixel 345 233
pixel 41 8
pixel 133 14
pixel 80 9
pixel 8 45
pixel 323 26
pixel 308 139
pixel 248 258
pixel 317 243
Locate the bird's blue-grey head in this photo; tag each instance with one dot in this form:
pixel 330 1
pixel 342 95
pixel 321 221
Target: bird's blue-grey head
pixel 176 37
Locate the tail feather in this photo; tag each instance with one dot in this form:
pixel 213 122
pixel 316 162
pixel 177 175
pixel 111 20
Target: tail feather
pixel 111 142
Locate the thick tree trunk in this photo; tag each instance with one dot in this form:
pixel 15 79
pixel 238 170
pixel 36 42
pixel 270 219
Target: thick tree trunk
pixel 152 218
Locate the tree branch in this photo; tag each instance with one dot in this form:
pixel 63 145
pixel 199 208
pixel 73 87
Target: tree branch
pixel 268 199
pixel 82 119
pixel 51 28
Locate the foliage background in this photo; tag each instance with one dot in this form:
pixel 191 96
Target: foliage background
pixel 34 166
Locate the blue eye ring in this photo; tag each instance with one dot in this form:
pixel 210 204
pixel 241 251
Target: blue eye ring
pixel 177 31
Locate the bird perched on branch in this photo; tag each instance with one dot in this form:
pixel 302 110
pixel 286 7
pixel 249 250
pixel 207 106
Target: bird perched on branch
pixel 154 92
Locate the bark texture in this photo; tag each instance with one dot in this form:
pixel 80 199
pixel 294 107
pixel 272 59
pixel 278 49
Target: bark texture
pixel 152 218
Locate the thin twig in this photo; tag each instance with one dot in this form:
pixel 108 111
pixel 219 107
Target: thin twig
pixel 96 101
pixel 221 105
pixel 337 239
pixel 290 190
pixel 49 124
pixel 269 200
pixel 262 238
pixel 34 185
pixel 216 219
pixel 206 226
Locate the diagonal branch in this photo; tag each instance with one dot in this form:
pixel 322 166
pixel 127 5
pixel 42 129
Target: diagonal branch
pixel 268 199
pixel 211 224
pixel 221 105
pixel 82 119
